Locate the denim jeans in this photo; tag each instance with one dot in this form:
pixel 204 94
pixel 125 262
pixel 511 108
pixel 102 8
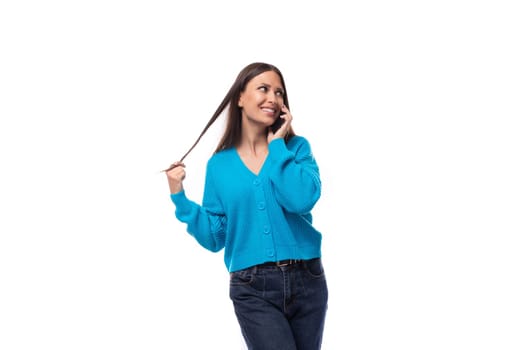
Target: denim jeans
pixel 281 307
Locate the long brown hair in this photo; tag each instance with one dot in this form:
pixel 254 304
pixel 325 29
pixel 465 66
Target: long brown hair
pixel 232 132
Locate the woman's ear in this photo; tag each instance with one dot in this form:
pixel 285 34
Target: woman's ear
pixel 239 102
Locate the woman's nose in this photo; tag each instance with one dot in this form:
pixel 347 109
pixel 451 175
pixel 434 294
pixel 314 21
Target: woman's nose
pixel 272 97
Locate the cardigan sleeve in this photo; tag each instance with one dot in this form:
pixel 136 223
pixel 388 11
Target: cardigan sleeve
pixel 294 175
pixel 206 223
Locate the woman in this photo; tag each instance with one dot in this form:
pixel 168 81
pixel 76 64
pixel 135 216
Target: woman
pixel 262 183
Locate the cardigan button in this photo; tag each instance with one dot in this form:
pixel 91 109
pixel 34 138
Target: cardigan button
pixel 261 205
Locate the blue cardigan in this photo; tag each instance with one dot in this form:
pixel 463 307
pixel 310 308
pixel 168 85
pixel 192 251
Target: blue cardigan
pixel 257 218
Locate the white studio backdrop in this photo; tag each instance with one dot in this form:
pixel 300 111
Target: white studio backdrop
pixel 415 114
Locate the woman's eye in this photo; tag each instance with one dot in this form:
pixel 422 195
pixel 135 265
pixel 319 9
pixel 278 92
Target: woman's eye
pixel 263 88
pixel 279 93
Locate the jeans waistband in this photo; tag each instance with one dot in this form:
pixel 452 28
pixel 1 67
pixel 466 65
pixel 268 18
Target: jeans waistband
pixel 287 262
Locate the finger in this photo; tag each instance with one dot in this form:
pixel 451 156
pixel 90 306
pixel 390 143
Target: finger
pixel 177 173
pixel 174 165
pixel 285 113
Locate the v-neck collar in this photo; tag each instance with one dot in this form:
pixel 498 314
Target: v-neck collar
pixel 263 166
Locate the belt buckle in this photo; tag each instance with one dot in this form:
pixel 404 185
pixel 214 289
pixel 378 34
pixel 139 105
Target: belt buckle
pixel 286 262
pixel 283 263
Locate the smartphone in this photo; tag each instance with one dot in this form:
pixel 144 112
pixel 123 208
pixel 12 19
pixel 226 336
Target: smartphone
pixel 278 122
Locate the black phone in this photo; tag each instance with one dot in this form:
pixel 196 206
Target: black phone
pixel 277 124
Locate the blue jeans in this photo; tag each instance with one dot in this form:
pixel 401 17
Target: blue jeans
pixel 281 307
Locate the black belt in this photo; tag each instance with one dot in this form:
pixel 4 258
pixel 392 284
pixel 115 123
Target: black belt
pixel 280 263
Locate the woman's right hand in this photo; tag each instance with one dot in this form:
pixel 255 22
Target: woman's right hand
pixel 176 175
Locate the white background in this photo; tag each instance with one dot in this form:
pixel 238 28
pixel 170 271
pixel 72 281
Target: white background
pixel 415 113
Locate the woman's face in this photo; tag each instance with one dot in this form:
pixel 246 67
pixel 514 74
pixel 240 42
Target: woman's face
pixel 262 99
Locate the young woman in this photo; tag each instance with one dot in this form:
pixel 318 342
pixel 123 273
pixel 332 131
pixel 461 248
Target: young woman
pixel 262 183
